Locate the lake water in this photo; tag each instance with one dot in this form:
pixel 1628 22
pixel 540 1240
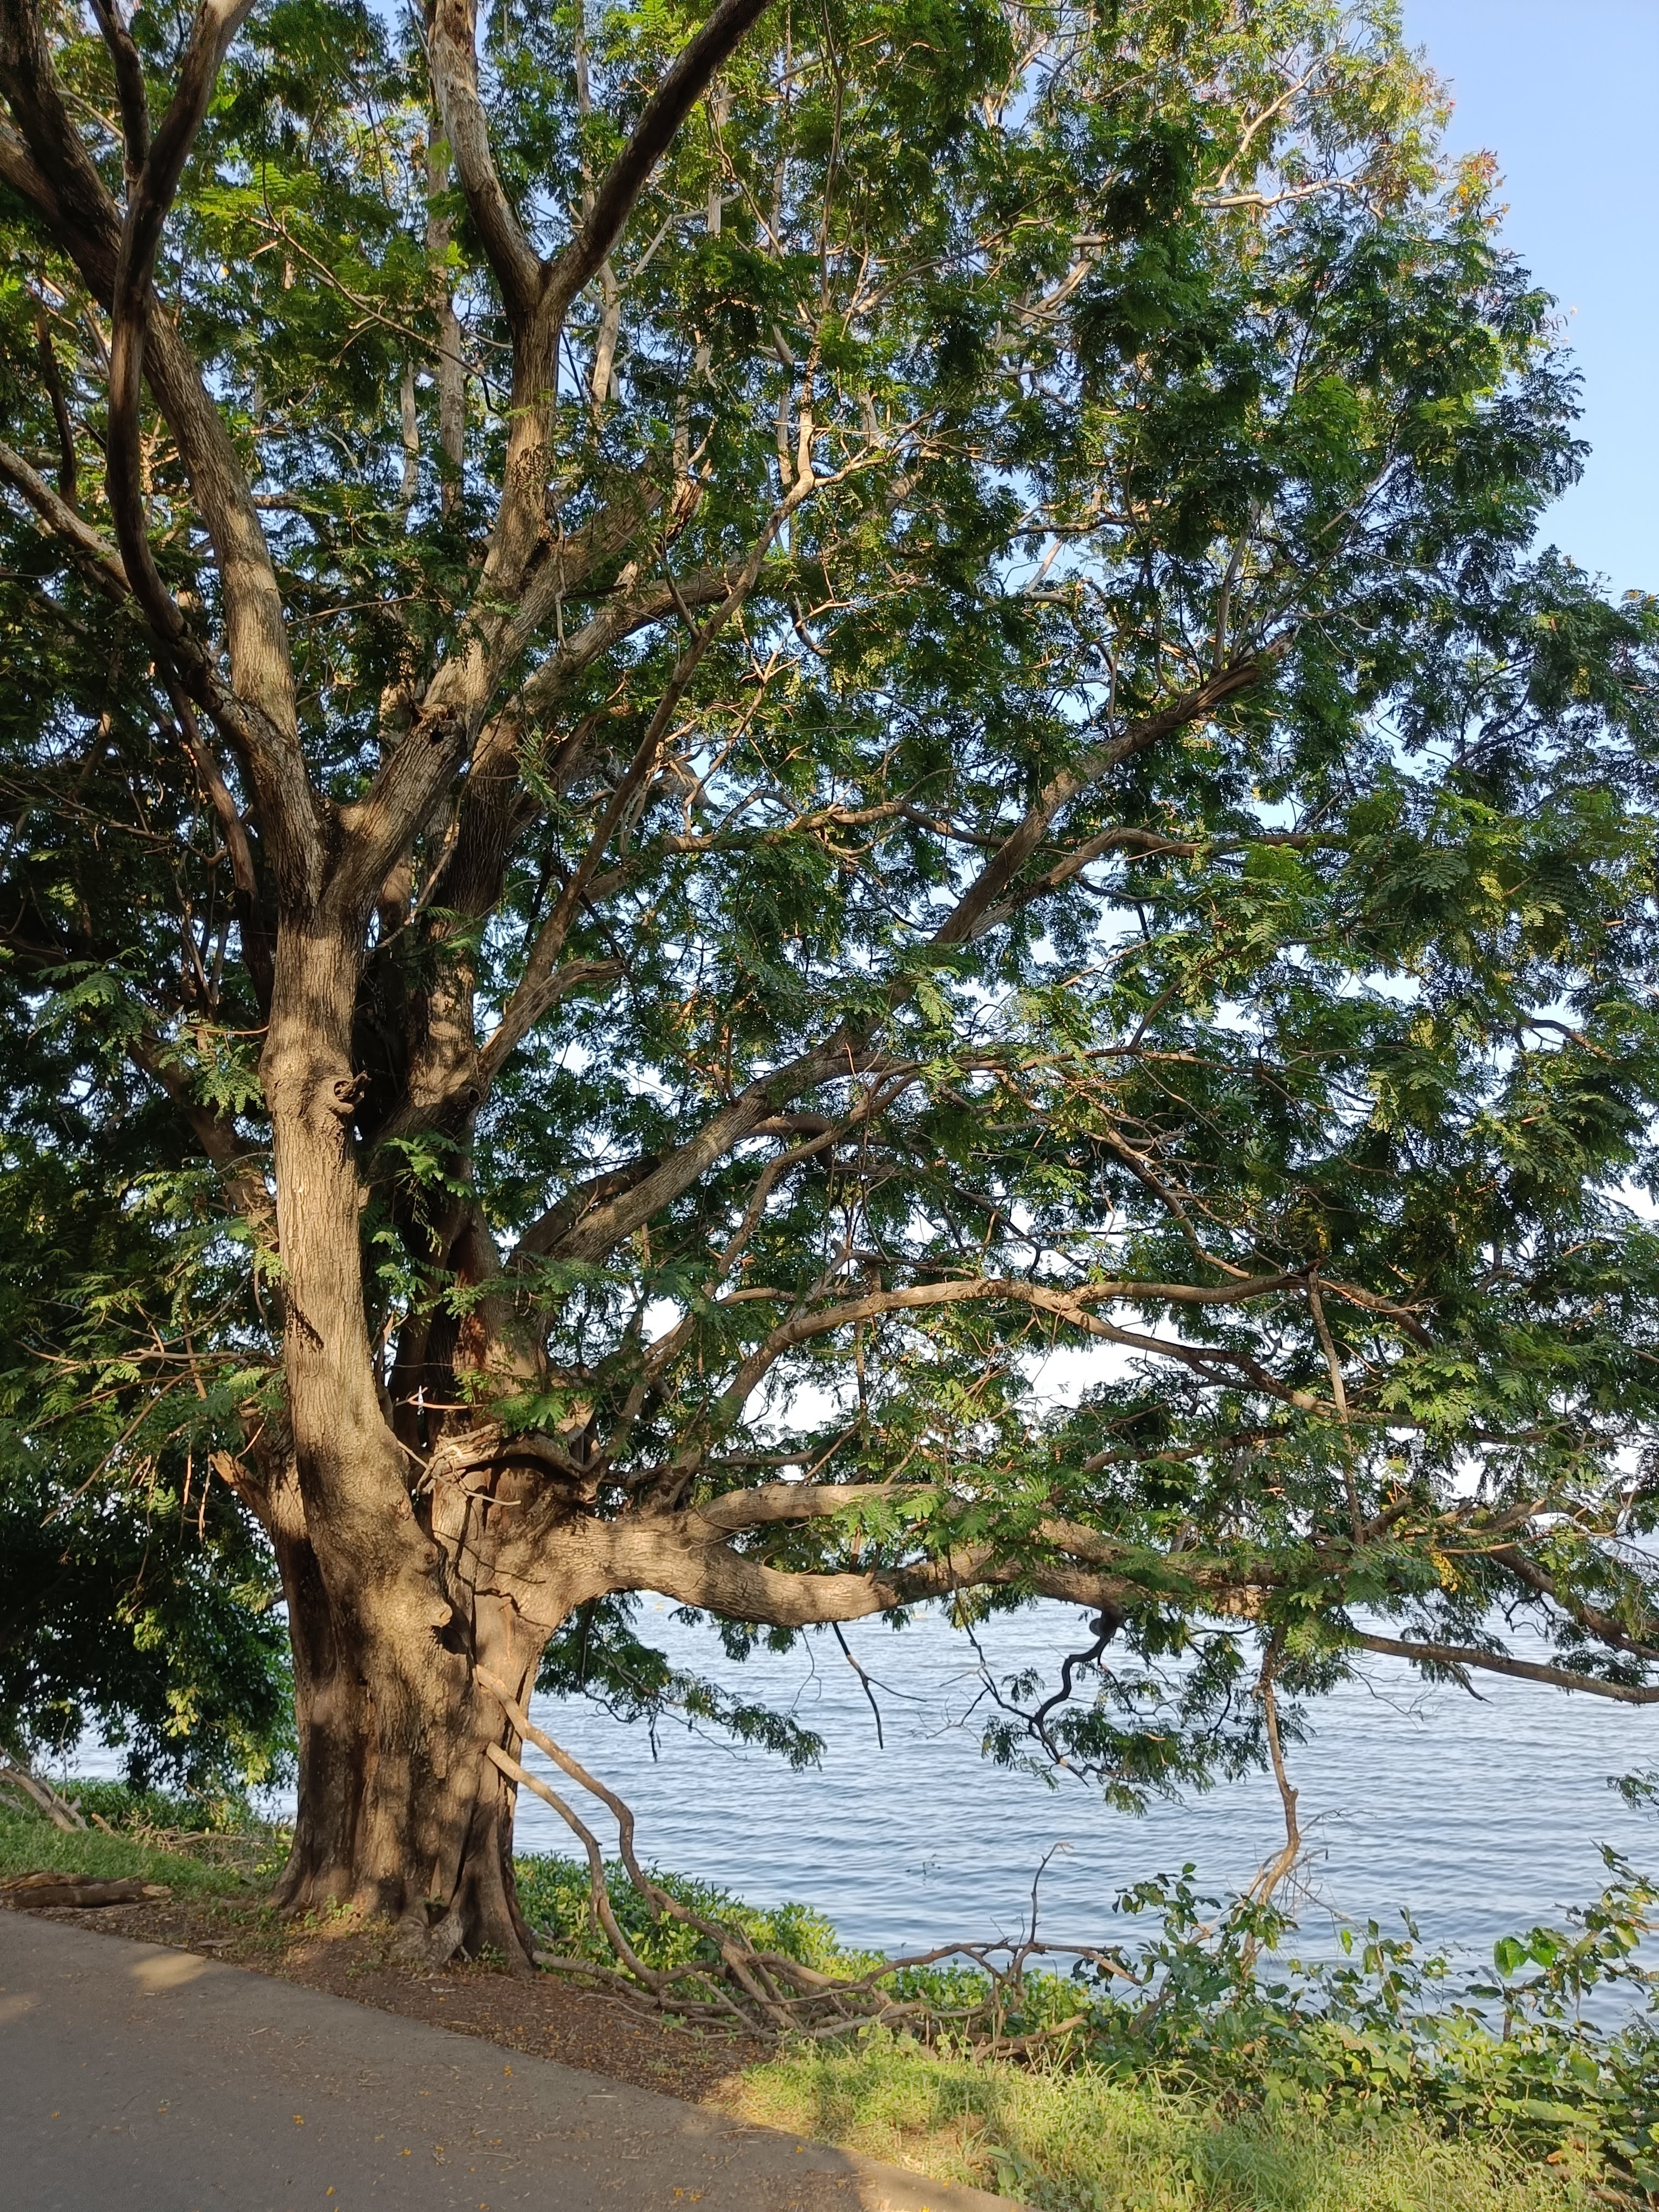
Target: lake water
pixel 1479 1816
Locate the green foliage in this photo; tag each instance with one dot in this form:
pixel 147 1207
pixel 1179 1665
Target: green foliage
pixel 136 1598
pixel 1390 2029
pixel 554 1896
pixel 123 1618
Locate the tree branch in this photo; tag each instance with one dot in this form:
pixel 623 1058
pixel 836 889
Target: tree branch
pixel 972 914
pixel 773 1504
pixel 96 558
pixel 453 59
pixel 149 195
pixel 1073 1307
pixel 241 1171
pixel 688 78
pixel 45 161
pixel 129 85
pixel 665 1554
pixel 607 1222
pixel 530 1001
pixel 1603 1626
pixel 974 911
pixel 67 460
pixel 456 700
pixel 1455 1657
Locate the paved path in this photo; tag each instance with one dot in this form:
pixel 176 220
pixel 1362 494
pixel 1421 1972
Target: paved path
pixel 136 2079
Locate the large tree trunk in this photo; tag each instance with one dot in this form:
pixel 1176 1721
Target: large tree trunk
pixel 389 1568
pixel 402 1813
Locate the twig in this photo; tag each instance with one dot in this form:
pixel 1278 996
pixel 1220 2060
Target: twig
pixel 869 1691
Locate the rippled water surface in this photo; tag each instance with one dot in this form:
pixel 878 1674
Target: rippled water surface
pixel 1479 1817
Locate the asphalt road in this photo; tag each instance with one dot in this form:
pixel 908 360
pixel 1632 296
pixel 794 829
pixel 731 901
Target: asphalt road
pixel 139 2079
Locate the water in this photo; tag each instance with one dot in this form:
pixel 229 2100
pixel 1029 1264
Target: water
pixel 1480 1817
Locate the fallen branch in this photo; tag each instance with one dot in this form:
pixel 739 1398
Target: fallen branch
pixel 58 1810
pixel 34 1890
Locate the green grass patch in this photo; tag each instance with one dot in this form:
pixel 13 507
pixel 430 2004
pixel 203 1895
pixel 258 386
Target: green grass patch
pixel 31 1845
pixel 150 1838
pixel 554 1896
pixel 1076 2140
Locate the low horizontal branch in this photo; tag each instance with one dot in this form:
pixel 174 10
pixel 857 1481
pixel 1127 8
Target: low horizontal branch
pixel 775 1503
pixel 1455 1657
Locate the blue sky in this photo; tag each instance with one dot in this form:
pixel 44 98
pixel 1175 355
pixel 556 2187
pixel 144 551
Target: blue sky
pixel 1565 92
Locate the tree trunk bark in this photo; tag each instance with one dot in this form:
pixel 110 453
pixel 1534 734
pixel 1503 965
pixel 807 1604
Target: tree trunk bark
pixel 390 1586
pixel 402 1813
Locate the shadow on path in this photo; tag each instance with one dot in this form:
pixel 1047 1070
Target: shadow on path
pixel 136 2079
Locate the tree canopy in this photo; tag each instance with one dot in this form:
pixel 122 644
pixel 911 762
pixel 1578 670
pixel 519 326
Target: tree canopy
pixel 720 730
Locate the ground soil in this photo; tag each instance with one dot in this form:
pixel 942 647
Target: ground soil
pixel 539 2014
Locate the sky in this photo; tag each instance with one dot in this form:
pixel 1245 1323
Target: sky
pixel 1565 92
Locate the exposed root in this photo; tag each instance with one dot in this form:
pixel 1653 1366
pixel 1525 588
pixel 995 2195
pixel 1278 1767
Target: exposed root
pixel 414 1943
pixel 763 1992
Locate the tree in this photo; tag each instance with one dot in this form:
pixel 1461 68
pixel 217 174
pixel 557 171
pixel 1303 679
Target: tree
pixel 724 724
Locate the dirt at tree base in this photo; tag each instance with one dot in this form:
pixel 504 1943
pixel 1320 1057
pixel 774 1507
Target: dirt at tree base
pixel 541 2014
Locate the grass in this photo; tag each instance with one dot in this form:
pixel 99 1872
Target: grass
pixel 1077 2141
pixel 29 1845
pixel 154 1838
pixel 553 1895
